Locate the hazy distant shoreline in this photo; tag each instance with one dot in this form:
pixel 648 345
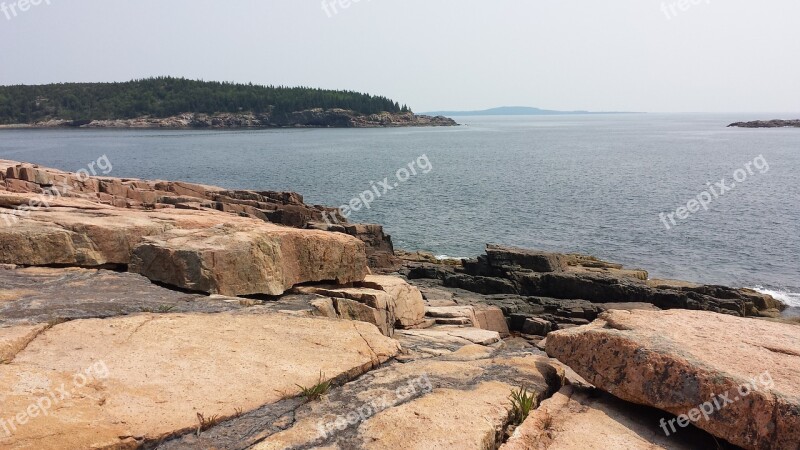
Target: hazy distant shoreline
pixel 314 118
pixel 521 111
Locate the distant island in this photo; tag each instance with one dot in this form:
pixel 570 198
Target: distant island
pixel 516 111
pixel 167 102
pixel 767 124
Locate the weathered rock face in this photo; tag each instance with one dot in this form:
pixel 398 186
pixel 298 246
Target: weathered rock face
pixel 25 185
pixel 575 419
pixel 516 277
pixel 35 295
pixel 409 308
pixel 500 257
pixel 387 302
pixel 735 378
pixel 147 377
pixel 200 249
pixel 246 259
pixel 418 405
pixel 312 118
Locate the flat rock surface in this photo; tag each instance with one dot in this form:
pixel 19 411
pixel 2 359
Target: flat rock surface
pixel 576 419
pixel 427 404
pixel 679 360
pixel 127 381
pixel 40 295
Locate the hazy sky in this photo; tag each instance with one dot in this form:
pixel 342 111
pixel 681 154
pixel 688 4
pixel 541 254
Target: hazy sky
pixel 635 55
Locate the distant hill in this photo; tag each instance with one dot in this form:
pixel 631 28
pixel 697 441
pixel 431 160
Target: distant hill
pixel 512 111
pixel 166 97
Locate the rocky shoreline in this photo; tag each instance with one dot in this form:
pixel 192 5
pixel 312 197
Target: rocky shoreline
pixel 312 118
pixel 767 124
pixel 173 315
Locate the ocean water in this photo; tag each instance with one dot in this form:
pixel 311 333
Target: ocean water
pixel 589 184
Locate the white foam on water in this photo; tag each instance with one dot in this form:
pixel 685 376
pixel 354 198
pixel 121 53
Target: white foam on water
pixel 790 298
pixel 447 258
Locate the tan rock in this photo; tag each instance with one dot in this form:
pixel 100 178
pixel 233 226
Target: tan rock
pixel 199 250
pixel 681 361
pixel 491 318
pixel 250 257
pixel 145 377
pixel 363 304
pixel 429 404
pixel 14 339
pixel 457 335
pixel 574 420
pixel 388 302
pixel 409 307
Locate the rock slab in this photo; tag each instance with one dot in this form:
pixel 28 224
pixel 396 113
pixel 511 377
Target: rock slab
pixel 743 372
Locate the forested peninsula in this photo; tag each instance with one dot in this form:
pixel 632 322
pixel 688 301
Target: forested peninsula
pixel 166 102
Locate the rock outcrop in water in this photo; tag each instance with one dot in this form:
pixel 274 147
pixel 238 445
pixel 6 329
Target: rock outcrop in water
pixel 312 118
pixel 541 292
pixel 223 304
pixel 767 124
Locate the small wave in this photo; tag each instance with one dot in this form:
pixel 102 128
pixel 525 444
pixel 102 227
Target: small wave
pixel 448 258
pixel 790 298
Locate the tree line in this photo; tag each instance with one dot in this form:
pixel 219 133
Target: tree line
pixel 167 96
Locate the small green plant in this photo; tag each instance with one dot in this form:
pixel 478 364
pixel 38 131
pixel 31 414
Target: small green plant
pixel 204 424
pixel 315 392
pixel 522 403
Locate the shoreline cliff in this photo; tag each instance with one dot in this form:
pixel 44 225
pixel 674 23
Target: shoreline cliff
pixel 312 118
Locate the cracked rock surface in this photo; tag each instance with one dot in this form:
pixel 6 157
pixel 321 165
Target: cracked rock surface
pixel 679 360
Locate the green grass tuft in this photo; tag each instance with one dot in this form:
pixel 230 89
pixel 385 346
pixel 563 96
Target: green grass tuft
pixel 315 392
pixel 522 403
pixel 204 424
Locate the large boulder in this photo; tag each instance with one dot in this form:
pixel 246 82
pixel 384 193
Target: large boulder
pixel 735 378
pixel 201 250
pixel 385 301
pixel 501 256
pixel 409 307
pixel 249 258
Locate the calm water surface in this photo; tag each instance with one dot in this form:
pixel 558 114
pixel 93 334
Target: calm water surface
pixel 590 184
